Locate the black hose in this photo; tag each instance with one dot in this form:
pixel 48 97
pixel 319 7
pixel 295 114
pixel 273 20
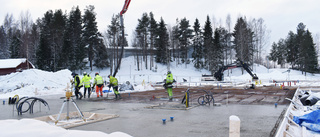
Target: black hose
pixel 23 100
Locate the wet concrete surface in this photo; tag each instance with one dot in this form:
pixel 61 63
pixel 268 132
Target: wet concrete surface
pixel 137 119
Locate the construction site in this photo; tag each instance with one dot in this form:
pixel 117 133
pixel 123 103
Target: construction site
pixel 205 113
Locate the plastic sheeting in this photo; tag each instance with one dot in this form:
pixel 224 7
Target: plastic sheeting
pixel 311 120
pixel 126 86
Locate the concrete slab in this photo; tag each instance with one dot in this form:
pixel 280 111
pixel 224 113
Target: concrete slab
pixel 136 120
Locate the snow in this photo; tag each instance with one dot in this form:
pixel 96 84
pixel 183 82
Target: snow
pixel 234 118
pixel 37 128
pixel 11 63
pixel 37 83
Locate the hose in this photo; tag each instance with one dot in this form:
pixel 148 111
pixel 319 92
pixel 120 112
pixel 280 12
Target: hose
pixel 24 100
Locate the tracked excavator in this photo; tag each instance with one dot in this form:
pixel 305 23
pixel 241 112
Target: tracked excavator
pixel 219 74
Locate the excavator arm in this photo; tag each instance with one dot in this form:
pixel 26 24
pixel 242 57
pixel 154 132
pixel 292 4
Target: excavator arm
pixel 219 74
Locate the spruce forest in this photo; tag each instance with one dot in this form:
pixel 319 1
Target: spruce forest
pixel 72 41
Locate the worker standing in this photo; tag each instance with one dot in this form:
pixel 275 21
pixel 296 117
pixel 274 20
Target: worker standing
pixel 98 80
pixel 87 84
pixel 169 81
pixel 114 84
pixel 77 84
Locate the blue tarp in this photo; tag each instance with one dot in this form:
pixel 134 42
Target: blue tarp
pixel 311 121
pixel 105 91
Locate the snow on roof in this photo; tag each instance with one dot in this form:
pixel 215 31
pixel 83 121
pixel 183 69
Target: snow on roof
pixel 11 63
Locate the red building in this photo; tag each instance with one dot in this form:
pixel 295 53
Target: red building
pixel 8 66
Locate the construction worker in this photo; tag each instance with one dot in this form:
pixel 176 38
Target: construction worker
pixel 114 84
pixel 87 84
pixel 98 80
pixel 77 84
pixel 169 81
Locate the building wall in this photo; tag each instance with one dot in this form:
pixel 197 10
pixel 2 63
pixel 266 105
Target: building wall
pixel 19 68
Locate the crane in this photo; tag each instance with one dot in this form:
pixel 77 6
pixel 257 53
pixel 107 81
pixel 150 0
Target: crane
pixel 124 10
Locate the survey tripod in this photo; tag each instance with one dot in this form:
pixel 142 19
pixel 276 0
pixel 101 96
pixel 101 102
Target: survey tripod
pixel 67 100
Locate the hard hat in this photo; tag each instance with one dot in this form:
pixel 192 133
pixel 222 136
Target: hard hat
pixel 84 73
pixel 97 73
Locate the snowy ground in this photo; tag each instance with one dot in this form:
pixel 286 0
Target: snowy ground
pixel 35 83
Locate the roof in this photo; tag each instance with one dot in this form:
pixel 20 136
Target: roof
pixel 11 63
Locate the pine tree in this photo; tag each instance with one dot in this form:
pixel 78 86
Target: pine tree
pixel 281 53
pixel 299 41
pixel 44 53
pixel 208 44
pixel 219 42
pixel 73 48
pixel 15 45
pixel 185 35
pixel 243 41
pixel 311 58
pixel 273 53
pixel 34 42
pixel 3 40
pixel 174 38
pixel 162 44
pixel 197 46
pixel 152 31
pixel 292 49
pixel 142 36
pixel 58 30
pixel 6 34
pixel 90 33
pixel 101 56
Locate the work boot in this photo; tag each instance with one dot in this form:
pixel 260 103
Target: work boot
pixel 116 96
pixel 80 96
pixel 119 96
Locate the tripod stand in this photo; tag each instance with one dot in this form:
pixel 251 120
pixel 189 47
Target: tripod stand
pixel 67 101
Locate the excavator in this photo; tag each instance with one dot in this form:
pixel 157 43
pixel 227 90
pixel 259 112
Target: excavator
pixel 219 74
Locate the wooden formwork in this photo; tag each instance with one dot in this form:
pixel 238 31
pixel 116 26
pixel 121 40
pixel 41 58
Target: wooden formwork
pixel 75 119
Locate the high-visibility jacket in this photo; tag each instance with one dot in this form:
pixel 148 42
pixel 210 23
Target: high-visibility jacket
pixel 86 81
pixel 113 81
pixel 77 81
pixel 98 80
pixel 169 79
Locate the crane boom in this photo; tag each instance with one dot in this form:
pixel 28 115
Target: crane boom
pixel 124 9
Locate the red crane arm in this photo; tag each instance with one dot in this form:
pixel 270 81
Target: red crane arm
pixel 125 7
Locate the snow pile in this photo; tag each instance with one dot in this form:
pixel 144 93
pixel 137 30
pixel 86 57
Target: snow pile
pixel 36 128
pixel 34 82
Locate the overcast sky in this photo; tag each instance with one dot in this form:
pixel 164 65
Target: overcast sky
pixel 280 16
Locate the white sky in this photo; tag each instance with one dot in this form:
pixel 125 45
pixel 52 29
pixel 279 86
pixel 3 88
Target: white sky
pixel 280 16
